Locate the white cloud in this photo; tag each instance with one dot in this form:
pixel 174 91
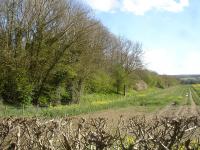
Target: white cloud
pixel 138 7
pixel 191 62
pixel 167 62
pixel 102 5
pixel 160 60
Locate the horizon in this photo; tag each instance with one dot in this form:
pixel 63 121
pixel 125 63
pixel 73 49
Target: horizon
pixel 177 74
pixel 167 29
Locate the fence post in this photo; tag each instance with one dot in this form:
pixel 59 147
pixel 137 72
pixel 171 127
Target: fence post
pixel 23 109
pixel 124 89
pixel 37 110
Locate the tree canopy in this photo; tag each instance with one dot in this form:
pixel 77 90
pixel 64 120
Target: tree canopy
pixel 53 50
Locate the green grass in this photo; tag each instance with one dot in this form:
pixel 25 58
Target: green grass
pixel 150 99
pixel 196 93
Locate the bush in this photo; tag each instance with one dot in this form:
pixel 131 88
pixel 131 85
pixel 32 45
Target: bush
pixel 59 96
pixel 100 82
pixel 65 99
pixel 43 101
pixel 16 89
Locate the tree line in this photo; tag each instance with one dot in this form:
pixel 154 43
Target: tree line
pixel 52 51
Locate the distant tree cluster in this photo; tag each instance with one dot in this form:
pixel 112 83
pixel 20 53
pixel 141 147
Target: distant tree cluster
pixel 155 80
pixel 51 51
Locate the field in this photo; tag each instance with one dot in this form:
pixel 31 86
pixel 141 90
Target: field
pixel 156 101
pixel 154 119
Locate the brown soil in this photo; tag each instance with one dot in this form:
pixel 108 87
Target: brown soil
pixel 114 115
pixel 183 110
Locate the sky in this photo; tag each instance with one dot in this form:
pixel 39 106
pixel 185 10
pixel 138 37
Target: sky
pixel 169 30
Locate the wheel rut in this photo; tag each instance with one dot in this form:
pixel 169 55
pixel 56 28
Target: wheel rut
pixel 189 108
pixel 194 107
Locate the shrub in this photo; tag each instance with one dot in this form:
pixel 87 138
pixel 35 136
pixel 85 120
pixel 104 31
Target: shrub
pixel 43 101
pixel 59 95
pixel 16 89
pixel 100 82
pixel 65 98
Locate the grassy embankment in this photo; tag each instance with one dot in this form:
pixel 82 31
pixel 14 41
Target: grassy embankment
pixel 150 99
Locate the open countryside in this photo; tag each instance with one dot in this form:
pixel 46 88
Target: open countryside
pixel 69 80
pixel 177 100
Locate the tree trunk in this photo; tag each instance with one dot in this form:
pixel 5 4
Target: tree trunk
pixel 75 88
pixel 124 89
pixel 78 87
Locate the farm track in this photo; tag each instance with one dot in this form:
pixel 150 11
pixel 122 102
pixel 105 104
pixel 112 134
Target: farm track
pixel 194 107
pixel 183 110
pixel 188 109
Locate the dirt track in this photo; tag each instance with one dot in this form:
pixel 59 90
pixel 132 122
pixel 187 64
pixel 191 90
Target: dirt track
pixel 171 110
pixel 183 110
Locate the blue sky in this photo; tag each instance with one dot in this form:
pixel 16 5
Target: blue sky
pixel 168 29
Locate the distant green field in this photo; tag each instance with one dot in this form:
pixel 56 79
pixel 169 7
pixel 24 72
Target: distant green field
pixel 151 99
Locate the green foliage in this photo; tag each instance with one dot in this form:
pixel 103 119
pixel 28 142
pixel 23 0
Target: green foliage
pixel 151 78
pixel 65 99
pixel 25 90
pixel 43 101
pixel 100 82
pixel 60 96
pixel 16 89
pixel 196 93
pixel 155 80
pixel 149 100
pixel 46 60
pixel 119 76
